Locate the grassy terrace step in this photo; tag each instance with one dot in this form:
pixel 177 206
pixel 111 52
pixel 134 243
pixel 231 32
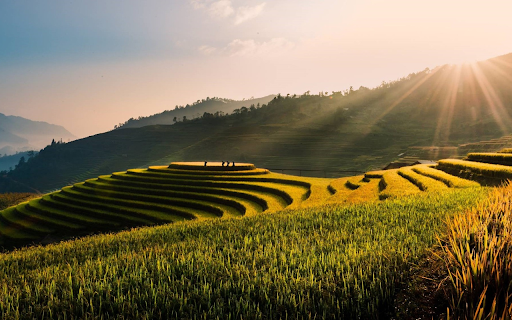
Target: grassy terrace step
pixel 211 176
pixel 424 183
pixel 367 192
pixel 51 223
pixel 448 179
pixel 181 199
pixel 106 216
pixel 161 212
pixel 375 174
pixel 354 183
pixel 393 185
pixel 165 169
pixel 492 158
pixel 124 212
pixel 195 183
pixel 212 166
pixel 40 207
pixel 82 190
pixel 8 232
pixel 494 171
pixel 29 225
pixel 177 185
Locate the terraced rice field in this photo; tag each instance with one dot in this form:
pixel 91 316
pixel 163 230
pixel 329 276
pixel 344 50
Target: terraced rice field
pixel 192 191
pixel 157 195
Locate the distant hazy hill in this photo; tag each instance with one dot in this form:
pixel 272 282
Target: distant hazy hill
pixel 17 133
pixel 195 110
pixel 358 129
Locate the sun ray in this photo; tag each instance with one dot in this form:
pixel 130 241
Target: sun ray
pixel 498 110
pixel 444 122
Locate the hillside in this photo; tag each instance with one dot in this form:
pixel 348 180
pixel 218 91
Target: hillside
pixel 355 130
pixel 195 110
pixel 186 269
pixel 369 242
pixel 20 134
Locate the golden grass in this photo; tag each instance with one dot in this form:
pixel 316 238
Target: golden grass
pixel 448 179
pixel 478 254
pixel 424 183
pixel 485 169
pixel 392 185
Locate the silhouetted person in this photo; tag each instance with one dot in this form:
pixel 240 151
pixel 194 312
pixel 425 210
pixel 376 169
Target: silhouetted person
pixel 227 164
pixel 223 163
pixel 205 163
pixel 233 163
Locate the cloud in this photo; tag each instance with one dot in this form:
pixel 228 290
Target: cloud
pixel 222 9
pixel 207 50
pixel 250 47
pixel 246 13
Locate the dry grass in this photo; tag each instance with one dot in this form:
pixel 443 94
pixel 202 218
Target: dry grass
pixel 478 254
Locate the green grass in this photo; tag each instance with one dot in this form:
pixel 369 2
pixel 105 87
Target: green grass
pixel 331 261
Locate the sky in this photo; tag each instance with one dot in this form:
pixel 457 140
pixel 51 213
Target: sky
pixel 91 64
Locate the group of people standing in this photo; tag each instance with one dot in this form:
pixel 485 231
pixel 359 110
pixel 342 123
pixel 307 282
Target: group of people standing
pixel 223 162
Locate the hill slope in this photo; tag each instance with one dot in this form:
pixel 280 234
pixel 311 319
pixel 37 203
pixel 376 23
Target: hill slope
pixel 356 130
pixel 196 110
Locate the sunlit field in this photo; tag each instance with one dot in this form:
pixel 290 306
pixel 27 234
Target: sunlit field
pixel 332 261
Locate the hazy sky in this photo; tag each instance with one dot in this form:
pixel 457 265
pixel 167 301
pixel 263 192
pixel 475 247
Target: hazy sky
pixel 91 64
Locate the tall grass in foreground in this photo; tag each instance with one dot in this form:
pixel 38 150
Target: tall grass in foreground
pixel 478 254
pixel 319 262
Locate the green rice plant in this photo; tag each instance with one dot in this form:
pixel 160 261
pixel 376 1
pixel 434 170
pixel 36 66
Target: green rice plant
pixel 259 198
pixel 392 185
pixel 325 262
pixel 45 220
pixel 477 251
pixel 489 170
pixel 448 179
pixel 424 183
pixel 211 184
pixel 13 198
pixel 181 199
pixel 159 211
pixel 494 158
pixel 27 224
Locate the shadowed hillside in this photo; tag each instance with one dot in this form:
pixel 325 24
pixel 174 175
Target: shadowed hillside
pixel 359 129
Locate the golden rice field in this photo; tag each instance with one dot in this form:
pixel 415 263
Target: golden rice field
pixel 233 242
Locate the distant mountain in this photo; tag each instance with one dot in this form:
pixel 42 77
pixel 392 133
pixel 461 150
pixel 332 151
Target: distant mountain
pixel 358 129
pixel 8 139
pixel 195 110
pixel 20 134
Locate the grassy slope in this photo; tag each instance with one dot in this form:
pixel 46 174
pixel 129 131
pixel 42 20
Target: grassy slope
pixel 328 261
